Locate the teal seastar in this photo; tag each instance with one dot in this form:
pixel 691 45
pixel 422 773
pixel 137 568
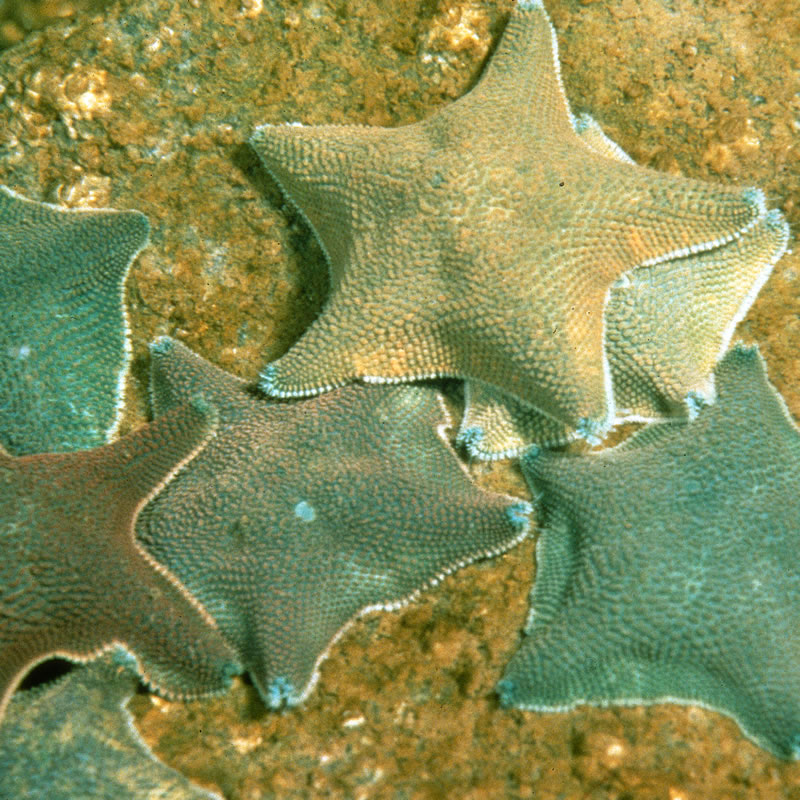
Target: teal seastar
pixel 63 333
pixel 74 738
pixel 667 325
pixel 305 515
pixel 483 241
pixel 73 581
pixel 668 567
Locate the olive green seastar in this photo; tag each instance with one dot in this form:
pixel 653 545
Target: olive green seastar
pixel 668 567
pixel 63 332
pixel 73 581
pixel 483 241
pixel 305 515
pixel 74 739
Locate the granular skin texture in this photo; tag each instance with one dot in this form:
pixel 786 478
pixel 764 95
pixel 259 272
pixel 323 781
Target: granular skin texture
pixel 149 107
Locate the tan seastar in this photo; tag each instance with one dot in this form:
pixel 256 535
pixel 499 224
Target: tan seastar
pixel 483 241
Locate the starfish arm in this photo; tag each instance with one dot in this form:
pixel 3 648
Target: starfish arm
pixel 670 323
pixel 626 216
pixel 667 327
pixel 350 342
pixel 75 584
pixel 742 376
pixel 75 738
pixel 593 137
pixel 346 180
pixel 172 637
pixel 177 374
pixel 64 346
pixel 565 669
pixel 139 465
pixel 524 66
pixel 173 642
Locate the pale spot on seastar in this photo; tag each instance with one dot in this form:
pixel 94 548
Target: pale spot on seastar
pixel 21 352
pixel 305 511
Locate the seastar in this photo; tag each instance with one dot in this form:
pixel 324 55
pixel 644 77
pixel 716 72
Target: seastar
pixel 73 581
pixel 75 738
pixel 668 567
pixel 63 333
pixel 305 515
pixel 482 242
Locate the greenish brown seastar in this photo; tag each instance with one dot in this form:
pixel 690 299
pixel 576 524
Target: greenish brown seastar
pixel 668 567
pixel 74 582
pixel 483 241
pixel 305 515
pixel 74 738
pixel 63 333
pixel 667 325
